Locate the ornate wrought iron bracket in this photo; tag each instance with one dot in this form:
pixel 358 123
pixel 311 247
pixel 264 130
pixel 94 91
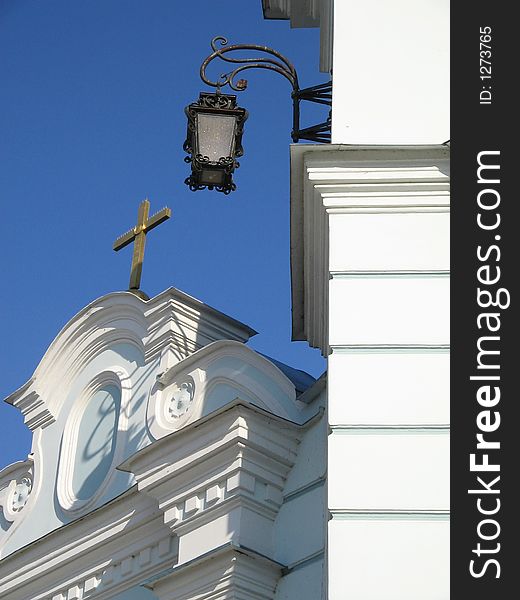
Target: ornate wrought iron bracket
pixel 319 94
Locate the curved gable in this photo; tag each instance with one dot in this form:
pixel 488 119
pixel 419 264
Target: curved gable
pixel 214 377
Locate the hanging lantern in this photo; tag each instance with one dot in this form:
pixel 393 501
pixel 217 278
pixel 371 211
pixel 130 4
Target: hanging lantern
pixel 214 141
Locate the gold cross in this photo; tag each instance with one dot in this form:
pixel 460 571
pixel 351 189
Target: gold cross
pixel 138 233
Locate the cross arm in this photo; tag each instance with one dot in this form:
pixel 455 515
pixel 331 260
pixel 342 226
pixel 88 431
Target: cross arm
pixel 158 218
pixel 124 240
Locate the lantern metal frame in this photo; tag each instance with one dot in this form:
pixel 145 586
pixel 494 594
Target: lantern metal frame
pixel 222 104
pixel 271 60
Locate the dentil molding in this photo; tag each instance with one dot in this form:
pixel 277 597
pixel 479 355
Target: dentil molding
pixel 220 479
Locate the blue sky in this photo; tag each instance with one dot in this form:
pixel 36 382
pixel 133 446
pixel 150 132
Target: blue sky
pixel 92 98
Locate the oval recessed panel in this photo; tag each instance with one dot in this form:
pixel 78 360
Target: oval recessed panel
pixel 96 441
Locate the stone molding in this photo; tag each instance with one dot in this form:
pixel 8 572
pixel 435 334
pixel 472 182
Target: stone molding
pixel 339 179
pixel 185 324
pixel 99 555
pixel 121 573
pixel 230 465
pixel 66 496
pixel 227 573
pixel 307 13
pixel 216 481
pixel 227 468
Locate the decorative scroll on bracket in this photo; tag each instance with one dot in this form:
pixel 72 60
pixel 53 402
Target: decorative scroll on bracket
pixel 274 61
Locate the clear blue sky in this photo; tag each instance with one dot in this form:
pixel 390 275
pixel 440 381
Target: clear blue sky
pixel 92 97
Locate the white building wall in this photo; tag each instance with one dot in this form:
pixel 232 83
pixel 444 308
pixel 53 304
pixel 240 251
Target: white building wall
pixel 300 528
pixel 388 558
pixel 388 450
pixel 388 306
pixel 371 289
pixel 391 72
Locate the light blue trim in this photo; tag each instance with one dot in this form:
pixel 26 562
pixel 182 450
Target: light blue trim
pixel 389 274
pixel 390 349
pixel 389 429
pixel 390 515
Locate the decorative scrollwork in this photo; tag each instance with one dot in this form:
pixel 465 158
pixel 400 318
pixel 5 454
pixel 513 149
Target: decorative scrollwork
pixel 267 58
pixel 20 494
pixel 217 174
pixel 221 168
pixel 198 162
pixel 14 496
pixel 180 399
pixel 216 101
pixel 274 62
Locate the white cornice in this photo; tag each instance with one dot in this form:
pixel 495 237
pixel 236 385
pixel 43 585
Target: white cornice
pixel 35 411
pixel 188 324
pixel 229 464
pixel 230 572
pixel 328 179
pixel 307 13
pixel 302 13
pixel 213 351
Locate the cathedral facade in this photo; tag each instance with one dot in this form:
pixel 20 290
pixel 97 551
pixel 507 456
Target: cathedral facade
pixel 174 462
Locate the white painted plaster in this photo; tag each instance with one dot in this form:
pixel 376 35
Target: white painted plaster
pixel 388 470
pixel 411 242
pixel 391 72
pixel 394 559
pixel 388 387
pixel 216 475
pixel 389 310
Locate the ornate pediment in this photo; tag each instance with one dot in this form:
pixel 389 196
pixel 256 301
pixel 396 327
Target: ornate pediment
pixel 122 376
pixel 170 326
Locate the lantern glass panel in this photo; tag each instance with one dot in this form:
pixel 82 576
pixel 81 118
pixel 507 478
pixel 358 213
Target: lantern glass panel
pixel 215 135
pixel 212 177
